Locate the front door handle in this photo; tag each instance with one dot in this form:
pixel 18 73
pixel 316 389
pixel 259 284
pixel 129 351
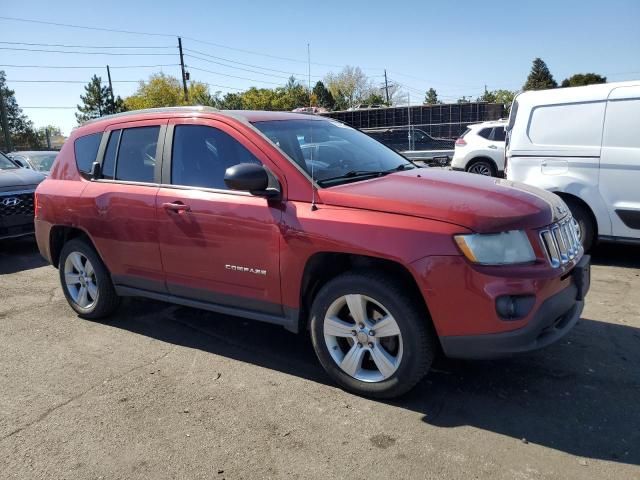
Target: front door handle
pixel 493 146
pixel 176 207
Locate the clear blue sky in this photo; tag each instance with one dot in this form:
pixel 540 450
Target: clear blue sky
pixel 454 46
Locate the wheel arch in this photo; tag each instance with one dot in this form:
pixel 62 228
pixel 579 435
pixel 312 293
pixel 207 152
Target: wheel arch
pixel 61 234
pixel 322 267
pixel 574 198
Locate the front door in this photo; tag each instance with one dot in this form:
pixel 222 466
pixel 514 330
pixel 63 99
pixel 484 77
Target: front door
pixel 217 245
pixel 620 161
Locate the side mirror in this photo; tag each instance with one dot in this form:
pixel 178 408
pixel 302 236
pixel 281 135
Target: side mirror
pixel 250 177
pixel 19 163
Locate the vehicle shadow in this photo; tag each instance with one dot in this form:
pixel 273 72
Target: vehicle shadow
pixel 579 396
pixel 19 254
pixel 616 254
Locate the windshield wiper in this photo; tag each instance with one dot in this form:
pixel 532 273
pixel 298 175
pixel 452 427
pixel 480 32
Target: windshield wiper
pixel 402 166
pixel 356 174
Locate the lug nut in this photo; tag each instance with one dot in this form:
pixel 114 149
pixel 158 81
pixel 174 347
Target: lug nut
pixel 359 345
pixel 361 325
pixel 354 333
pixel 372 333
pixel 371 345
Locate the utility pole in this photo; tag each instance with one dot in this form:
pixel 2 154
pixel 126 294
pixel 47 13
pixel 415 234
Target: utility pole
pixel 47 135
pixel 184 75
pixel 113 98
pixel 5 123
pixel 309 70
pixel 386 85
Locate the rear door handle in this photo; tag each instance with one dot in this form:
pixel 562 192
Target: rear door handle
pixel 493 146
pixel 176 207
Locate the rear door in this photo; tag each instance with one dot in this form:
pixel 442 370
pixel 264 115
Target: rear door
pixel 620 161
pixel 121 218
pixel 218 245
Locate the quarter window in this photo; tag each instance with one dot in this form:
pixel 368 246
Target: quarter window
pixel 499 134
pixel 137 154
pixel 86 151
pixel 202 154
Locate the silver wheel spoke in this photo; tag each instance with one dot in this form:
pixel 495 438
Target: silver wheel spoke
pixel 357 307
pixel 338 328
pixel 76 260
pixel 88 268
pixel 82 296
pixel 92 289
pixel 383 360
pixel 72 278
pixel 353 360
pixel 386 327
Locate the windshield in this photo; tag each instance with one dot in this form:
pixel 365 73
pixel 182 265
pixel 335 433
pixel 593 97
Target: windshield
pixel 42 161
pixel 5 163
pixel 335 152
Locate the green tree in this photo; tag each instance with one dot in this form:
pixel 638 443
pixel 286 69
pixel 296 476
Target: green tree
pixel 159 91
pixel 323 96
pixel 464 99
pixel 97 101
pixel 21 131
pixel 374 99
pixel 540 77
pixel 231 101
pixel 582 79
pixel 431 97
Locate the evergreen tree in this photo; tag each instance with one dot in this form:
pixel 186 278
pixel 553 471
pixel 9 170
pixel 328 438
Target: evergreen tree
pixel 324 97
pixel 97 101
pixel 540 77
pixel 582 79
pixel 431 97
pixel 21 130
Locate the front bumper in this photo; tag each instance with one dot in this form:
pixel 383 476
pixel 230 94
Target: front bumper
pixel 554 318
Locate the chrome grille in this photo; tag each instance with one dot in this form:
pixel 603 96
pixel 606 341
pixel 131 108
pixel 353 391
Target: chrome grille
pixel 561 242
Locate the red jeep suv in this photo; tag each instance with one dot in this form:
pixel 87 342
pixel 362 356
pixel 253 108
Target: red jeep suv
pixel 304 222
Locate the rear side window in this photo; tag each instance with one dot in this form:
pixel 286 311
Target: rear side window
pixel 622 124
pixel 202 154
pixel 136 156
pixel 109 162
pixel 578 124
pixel 485 133
pixel 499 134
pixel 86 151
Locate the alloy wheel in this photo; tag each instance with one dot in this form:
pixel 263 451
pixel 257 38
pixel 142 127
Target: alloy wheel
pixel 80 279
pixel 480 169
pixel 363 338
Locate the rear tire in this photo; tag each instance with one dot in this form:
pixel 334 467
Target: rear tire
pixel 585 221
pixel 482 167
pixel 85 281
pixel 382 359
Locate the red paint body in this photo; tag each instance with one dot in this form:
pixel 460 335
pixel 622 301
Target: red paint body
pixel 406 217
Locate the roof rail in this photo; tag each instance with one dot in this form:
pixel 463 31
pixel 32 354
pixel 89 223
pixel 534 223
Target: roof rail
pixel 187 109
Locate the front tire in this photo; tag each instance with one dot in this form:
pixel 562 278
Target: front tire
pixel 370 335
pixel 585 221
pixel 85 281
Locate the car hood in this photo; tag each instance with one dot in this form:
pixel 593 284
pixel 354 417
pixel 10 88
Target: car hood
pixel 482 204
pixel 16 177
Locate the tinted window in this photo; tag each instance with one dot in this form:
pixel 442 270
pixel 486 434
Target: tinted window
pixel 201 155
pixel 86 151
pixel 499 134
pixel 109 162
pixel 485 132
pixel 622 124
pixel 137 154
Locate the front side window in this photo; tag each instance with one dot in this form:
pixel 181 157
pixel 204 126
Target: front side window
pixel 341 154
pixel 136 159
pixel 42 161
pixel 201 156
pixel 109 162
pixel 5 163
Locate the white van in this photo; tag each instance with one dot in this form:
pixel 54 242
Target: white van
pixel 582 143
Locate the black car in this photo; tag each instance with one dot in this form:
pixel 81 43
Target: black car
pixel 414 140
pixel 17 186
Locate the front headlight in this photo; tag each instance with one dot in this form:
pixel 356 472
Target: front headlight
pixel 496 248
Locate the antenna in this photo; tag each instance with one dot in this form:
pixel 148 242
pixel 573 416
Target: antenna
pixel 313 189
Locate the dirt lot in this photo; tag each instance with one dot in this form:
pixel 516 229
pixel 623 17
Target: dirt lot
pixel 171 392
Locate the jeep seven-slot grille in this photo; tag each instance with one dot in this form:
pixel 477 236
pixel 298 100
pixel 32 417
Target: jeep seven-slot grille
pixel 16 204
pixel 561 242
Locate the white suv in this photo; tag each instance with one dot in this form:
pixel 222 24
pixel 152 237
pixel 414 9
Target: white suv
pixel 480 149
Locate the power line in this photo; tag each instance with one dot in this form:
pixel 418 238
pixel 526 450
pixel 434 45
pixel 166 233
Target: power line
pixel 52 107
pixel 80 46
pixel 84 53
pixel 234 76
pixel 231 66
pixel 67 81
pixel 100 66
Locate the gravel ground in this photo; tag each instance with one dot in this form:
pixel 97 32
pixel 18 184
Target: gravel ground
pixel 170 392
